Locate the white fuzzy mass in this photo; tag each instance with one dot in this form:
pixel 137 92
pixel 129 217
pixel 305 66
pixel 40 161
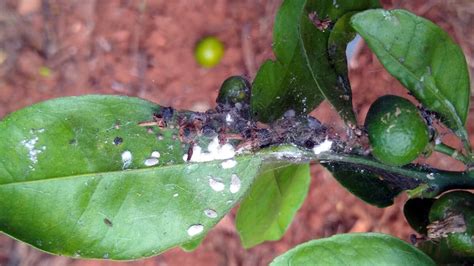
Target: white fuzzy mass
pixel 215 151
pixel 323 147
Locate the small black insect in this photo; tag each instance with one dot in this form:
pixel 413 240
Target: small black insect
pixel 167 113
pixel 118 140
pixel 208 131
pixel 415 239
pixel 263 137
pixel 108 222
pixel 244 128
pixel 314 123
pixel 309 144
pixel 430 118
pixel 190 152
pixel 159 120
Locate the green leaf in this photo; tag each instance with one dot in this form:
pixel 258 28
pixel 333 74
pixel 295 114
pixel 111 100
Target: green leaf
pixel 416 213
pixel 341 34
pixel 423 58
pixel 303 73
pixel 65 188
pixel 354 249
pixel 275 197
pixel 193 245
pixel 364 184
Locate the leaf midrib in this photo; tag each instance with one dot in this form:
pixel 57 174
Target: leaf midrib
pixel 313 74
pixel 139 170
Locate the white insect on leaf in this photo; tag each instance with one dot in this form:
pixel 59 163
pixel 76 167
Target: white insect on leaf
pixel 215 151
pixel 195 229
pixel 235 184
pixel 155 154
pixel 324 146
pixel 126 159
pixel 216 184
pixel 229 164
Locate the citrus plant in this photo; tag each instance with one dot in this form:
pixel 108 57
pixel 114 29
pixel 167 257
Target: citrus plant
pixel 114 177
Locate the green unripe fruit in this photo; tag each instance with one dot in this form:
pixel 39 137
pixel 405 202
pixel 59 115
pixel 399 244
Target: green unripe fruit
pixel 209 52
pixel 452 217
pixel 235 89
pixel 397 132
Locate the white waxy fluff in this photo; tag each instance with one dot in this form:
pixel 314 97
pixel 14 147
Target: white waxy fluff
pixel 215 151
pixel 323 147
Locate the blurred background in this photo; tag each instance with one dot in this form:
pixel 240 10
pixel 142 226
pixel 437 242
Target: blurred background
pixel 55 48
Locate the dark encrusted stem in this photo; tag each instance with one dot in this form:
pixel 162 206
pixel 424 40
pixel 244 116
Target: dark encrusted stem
pixel 292 138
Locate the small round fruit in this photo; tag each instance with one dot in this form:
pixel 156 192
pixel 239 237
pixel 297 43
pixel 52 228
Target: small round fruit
pixel 209 52
pixel 397 132
pixel 452 220
pixel 235 89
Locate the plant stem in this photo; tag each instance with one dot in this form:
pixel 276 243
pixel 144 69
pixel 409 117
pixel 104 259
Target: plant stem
pixel 452 152
pixel 434 181
pixel 430 182
pixel 467 145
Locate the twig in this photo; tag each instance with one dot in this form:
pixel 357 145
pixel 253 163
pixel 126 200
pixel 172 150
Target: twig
pixel 247 50
pixel 445 149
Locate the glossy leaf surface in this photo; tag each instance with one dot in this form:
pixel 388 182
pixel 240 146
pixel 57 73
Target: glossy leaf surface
pixel 364 184
pixel 275 197
pixel 193 245
pixel 304 73
pixel 354 249
pixel 416 213
pixel 423 58
pixel 75 180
